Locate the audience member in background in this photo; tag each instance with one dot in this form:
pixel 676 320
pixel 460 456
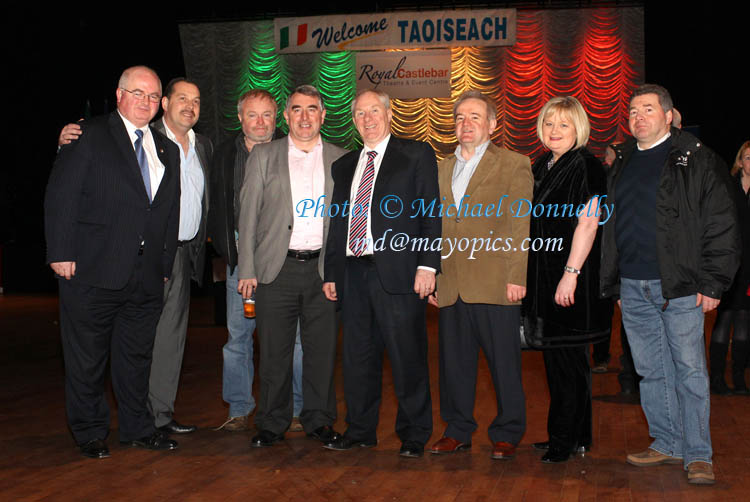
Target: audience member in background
pixel 734 310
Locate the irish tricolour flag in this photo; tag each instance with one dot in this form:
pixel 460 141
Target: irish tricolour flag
pixel 284 36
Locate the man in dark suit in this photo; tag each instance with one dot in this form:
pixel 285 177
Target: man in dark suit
pixel 381 280
pixel 181 104
pixel 281 250
pixel 111 221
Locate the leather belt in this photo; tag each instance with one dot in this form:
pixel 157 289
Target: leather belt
pixel 303 255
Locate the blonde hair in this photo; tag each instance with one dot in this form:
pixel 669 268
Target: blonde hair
pixel 738 160
pixel 573 111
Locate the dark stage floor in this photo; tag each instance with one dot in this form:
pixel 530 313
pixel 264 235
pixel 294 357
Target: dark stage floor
pixel 40 461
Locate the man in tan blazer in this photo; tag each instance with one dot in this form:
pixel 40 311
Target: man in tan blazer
pixel 281 252
pixel 480 288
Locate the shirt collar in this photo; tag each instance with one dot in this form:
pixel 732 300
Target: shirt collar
pixel 131 128
pixel 171 135
pixel 662 140
pixel 478 151
pixel 379 148
pixel 296 152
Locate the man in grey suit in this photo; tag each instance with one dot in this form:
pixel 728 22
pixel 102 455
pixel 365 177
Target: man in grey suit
pixel 281 260
pixel 181 104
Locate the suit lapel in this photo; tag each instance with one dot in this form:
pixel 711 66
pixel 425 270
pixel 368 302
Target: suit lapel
pixel 125 145
pixel 347 173
pixel 200 149
pixel 282 164
pixel 169 168
pixel 445 178
pixel 392 161
pixel 484 169
pixel 329 157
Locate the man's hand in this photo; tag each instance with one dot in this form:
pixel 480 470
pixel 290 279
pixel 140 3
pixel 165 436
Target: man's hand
pixel 247 286
pixel 329 289
pixel 708 303
pixel 65 269
pixel 515 293
pixel 433 299
pixel 69 133
pixel 424 283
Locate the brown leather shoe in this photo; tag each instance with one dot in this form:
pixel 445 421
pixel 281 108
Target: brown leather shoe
pixel 503 451
pixel 449 445
pixel 700 473
pixel 296 425
pixel 234 424
pixel 651 457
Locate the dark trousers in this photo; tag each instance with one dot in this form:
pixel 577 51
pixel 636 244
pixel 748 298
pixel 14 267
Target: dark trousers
pixel 569 380
pixel 295 294
pixel 96 323
pixel 628 377
pixel 464 328
pixel 601 351
pixel 374 321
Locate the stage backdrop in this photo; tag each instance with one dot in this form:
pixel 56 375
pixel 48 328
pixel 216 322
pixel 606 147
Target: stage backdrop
pixel 595 55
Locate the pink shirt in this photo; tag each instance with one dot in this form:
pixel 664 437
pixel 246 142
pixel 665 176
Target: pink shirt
pixel 307 177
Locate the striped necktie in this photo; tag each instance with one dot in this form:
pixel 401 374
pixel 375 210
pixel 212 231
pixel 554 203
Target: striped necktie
pixel 360 209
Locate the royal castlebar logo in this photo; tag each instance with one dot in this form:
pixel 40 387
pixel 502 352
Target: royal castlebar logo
pixel 301 34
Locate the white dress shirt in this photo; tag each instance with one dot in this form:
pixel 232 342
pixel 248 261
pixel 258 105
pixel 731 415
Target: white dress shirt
pixel 192 184
pixel 155 167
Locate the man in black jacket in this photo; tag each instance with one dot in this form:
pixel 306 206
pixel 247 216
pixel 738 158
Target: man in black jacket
pixel 111 219
pixel 669 252
pixel 256 110
pixel 380 269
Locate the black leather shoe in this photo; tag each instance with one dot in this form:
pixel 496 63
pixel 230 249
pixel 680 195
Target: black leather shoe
pixel 325 433
pixel 345 443
pixel 556 455
pixel 156 441
pixel 411 449
pixel 94 449
pixel 174 427
pixel 266 438
pixel 544 446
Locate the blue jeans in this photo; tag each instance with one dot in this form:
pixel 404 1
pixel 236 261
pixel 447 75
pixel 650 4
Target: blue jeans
pixel 669 353
pixel 237 382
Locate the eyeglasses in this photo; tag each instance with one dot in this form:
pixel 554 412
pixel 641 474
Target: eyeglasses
pixel 140 95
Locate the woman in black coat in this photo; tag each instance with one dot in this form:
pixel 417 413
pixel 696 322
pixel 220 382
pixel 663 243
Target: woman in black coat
pixel 563 310
pixel 734 309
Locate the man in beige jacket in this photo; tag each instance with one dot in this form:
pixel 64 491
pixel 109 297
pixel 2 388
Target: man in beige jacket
pixel 483 278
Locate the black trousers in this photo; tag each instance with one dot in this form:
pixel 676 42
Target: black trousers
pixel 295 294
pixel 569 380
pixel 464 328
pixel 96 323
pixel 374 321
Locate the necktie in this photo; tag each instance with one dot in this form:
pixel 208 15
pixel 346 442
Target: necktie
pixel 360 209
pixel 143 162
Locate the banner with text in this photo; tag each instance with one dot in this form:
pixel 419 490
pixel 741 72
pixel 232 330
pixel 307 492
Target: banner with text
pixel 396 30
pixel 406 74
